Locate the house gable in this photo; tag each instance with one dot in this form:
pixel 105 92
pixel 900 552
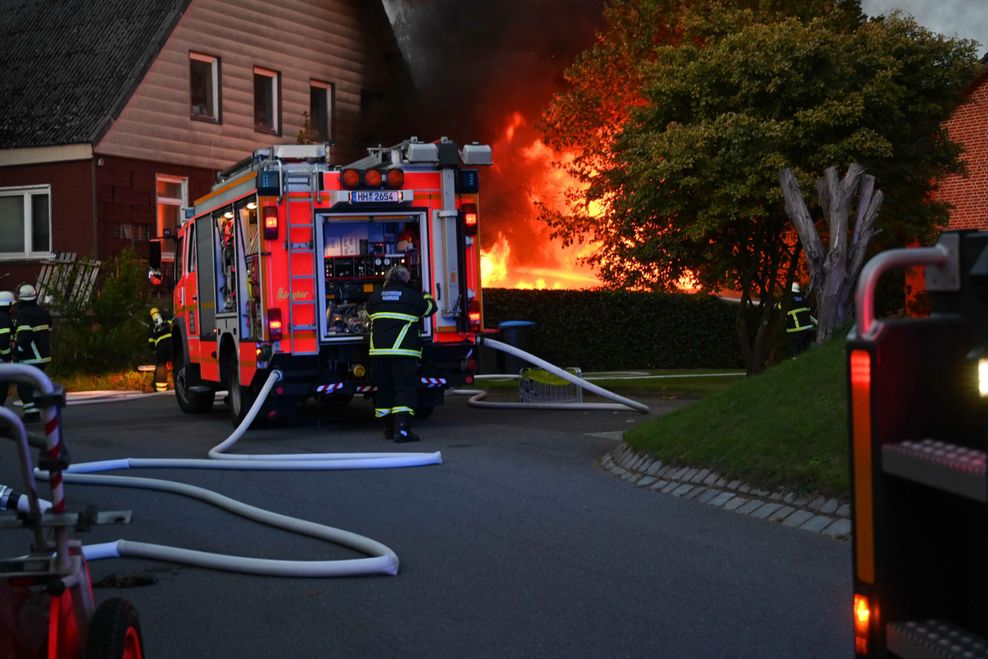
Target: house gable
pixel 341 42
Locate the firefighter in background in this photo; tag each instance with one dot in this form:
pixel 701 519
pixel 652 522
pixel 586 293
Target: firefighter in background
pixel 395 349
pixel 6 338
pixel 160 340
pixel 800 323
pixel 33 341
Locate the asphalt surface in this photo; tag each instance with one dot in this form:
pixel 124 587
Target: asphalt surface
pixel 518 545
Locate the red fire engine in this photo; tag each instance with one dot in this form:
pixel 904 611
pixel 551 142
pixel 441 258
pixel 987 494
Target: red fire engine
pixel 273 269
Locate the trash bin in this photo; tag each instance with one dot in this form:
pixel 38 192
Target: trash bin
pixel 516 333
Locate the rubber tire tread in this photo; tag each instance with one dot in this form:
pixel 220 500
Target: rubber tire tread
pixel 196 403
pixel 108 629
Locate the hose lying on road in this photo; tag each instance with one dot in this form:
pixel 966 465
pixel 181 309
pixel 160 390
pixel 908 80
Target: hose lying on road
pixel 380 558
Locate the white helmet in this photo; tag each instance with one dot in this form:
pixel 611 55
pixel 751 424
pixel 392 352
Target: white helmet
pixel 26 293
pixel 795 287
pixel 6 298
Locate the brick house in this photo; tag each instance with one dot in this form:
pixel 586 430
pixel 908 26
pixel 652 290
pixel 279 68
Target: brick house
pixel 969 195
pixel 118 113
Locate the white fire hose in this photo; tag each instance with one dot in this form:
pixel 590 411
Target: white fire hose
pixel 380 558
pixel 477 395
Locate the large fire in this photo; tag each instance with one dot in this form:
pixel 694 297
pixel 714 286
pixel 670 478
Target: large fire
pixel 517 251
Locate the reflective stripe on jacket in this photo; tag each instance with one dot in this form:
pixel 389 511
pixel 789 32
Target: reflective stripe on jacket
pixel 33 334
pixel 159 333
pixel 798 319
pixel 395 312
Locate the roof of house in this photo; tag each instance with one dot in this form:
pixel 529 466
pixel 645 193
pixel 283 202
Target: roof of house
pixel 69 66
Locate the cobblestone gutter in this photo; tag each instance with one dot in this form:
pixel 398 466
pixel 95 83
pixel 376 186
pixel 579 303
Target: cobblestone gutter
pixel 829 517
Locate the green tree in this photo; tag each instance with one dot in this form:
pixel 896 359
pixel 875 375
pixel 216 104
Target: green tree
pixel 722 103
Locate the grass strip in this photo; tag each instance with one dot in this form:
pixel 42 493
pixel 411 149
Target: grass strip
pixel 785 428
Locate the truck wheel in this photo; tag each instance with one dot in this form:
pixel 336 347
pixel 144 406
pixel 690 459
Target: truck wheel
pixel 424 411
pixel 190 400
pixel 239 398
pixel 115 632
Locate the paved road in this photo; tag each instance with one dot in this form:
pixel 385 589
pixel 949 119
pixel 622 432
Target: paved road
pixel 519 545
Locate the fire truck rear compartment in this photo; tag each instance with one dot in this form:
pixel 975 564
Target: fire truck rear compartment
pixel 356 252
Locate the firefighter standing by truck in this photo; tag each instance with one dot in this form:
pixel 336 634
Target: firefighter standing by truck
pixel 395 350
pixel 160 341
pixel 33 340
pixel 6 338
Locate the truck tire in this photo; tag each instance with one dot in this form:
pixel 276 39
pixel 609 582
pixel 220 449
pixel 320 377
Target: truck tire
pixel 115 632
pixel 239 398
pixel 189 400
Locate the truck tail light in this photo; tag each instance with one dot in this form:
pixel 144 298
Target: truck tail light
pixel 395 178
pixel 274 325
pixel 468 215
pixel 862 623
pixel 350 178
pixel 473 315
pixel 373 178
pixel 270 222
pixel 861 444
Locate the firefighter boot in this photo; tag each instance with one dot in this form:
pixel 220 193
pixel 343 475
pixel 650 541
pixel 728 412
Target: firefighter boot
pixel 389 426
pixel 405 433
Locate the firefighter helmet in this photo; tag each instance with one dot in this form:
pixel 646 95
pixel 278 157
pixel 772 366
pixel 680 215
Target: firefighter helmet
pixel 795 287
pixel 154 311
pixel 6 298
pixel 26 293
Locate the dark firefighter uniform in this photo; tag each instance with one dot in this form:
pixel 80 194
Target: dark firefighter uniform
pixel 395 350
pixel 33 339
pixel 6 338
pixel 799 322
pixel 160 341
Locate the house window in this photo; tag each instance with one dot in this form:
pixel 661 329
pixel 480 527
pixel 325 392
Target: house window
pixel 267 108
pixel 172 196
pixel 25 222
pixel 204 87
pixel 321 110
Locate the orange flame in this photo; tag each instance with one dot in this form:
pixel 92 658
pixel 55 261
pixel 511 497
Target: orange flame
pixel 523 255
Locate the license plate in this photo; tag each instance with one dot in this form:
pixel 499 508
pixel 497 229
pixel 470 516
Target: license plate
pixel 375 196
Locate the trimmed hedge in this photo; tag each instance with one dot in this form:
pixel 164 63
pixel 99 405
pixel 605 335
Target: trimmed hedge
pixel 608 330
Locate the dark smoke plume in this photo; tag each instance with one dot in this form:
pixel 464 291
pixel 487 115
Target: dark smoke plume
pixel 477 64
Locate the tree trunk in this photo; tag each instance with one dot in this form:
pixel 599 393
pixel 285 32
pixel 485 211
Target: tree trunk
pixel 833 274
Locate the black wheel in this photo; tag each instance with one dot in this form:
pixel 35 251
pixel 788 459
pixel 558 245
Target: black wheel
pixel 115 632
pixel 424 411
pixel 239 398
pixel 188 391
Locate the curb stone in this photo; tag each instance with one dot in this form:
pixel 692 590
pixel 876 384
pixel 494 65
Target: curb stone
pixel 816 514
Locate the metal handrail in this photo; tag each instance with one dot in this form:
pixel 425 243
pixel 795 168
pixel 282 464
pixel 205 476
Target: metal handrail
pixel 868 325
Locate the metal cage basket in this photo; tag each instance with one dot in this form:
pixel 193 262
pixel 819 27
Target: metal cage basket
pixel 540 386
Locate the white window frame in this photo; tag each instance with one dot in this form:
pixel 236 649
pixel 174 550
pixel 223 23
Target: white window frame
pixel 215 91
pixel 275 78
pixel 26 192
pixel 181 202
pixel 329 89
